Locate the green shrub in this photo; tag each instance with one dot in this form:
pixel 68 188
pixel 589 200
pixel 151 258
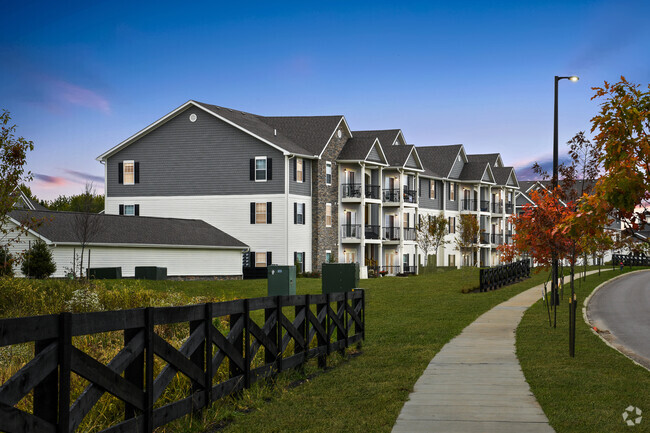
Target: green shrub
pixel 38 262
pixel 6 263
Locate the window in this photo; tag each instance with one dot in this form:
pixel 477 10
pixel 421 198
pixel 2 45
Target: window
pixel 129 172
pixel 129 209
pixel 299 261
pixel 328 256
pixel 452 260
pixel 328 173
pixel 260 169
pixel 299 170
pixel 260 260
pixel 452 191
pixel 451 224
pixel 260 213
pixel 299 213
pixel 432 190
pixel 328 215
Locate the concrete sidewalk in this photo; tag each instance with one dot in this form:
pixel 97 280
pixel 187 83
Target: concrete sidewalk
pixel 475 383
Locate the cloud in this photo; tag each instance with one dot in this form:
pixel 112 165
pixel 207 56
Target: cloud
pixel 86 177
pixel 67 93
pixel 524 168
pixel 51 181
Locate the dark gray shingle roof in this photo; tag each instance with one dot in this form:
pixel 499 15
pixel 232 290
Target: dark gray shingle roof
pixel 473 171
pixel 309 132
pixel 484 157
pixel 117 229
pixel 501 174
pixel 358 146
pixel 438 160
pixel 398 155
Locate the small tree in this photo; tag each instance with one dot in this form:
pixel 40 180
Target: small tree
pixel 6 263
pixel 430 234
pixel 467 235
pixel 86 225
pixel 38 261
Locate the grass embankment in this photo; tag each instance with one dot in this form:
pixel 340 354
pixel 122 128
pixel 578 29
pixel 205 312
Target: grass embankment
pixel 587 393
pixel 408 320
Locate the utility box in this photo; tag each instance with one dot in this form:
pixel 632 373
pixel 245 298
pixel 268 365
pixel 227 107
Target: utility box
pixel 150 273
pixel 281 280
pixel 340 277
pixel 105 273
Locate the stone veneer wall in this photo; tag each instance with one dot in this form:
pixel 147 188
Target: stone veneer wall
pixel 326 238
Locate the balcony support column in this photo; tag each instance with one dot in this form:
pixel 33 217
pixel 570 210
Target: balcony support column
pixel 362 217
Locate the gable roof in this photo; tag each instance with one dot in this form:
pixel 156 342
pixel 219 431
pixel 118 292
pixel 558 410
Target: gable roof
pixel 475 171
pixel 439 160
pixel 310 132
pixel 502 174
pixel 58 227
pixel 24 202
pixel 399 155
pixel 359 147
pixel 493 158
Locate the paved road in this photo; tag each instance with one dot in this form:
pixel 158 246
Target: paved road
pixel 622 307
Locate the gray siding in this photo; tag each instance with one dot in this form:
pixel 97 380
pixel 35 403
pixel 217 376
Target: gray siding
pixel 452 205
pixel 511 181
pixel 411 162
pixel 521 201
pixel 430 202
pixel 205 157
pixel 486 177
pixel 457 168
pixel 300 188
pixel 374 155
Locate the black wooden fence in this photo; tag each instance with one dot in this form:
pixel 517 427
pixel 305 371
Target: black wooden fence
pixel 315 321
pixel 493 278
pixel 629 260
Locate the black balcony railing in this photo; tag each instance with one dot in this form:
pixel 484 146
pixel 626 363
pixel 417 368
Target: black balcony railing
pixel 391 195
pixel 372 232
pixel 351 231
pixel 485 238
pixel 410 195
pixel 508 238
pixel 485 205
pixel 391 233
pixel 409 233
pixel 497 238
pixel 509 208
pixel 468 204
pixel 409 269
pixel 351 190
pixel 373 191
pixel 390 270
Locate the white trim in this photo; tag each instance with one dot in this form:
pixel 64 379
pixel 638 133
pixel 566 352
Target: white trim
pixel 381 153
pixel 331 174
pixel 124 162
pixel 122 245
pixel 266 168
pixel 462 149
pixel 417 157
pixel 320 155
pixel 30 231
pixel 302 170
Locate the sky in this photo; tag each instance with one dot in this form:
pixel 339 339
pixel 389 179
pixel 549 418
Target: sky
pixel 80 77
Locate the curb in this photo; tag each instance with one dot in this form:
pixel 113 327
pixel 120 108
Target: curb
pixel 590 324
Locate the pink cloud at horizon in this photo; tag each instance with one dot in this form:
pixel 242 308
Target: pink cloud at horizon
pixel 77 95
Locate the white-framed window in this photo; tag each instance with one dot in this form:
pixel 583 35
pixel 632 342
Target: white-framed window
pixel 328 256
pixel 300 176
pixel 328 215
pixel 260 169
pixel 452 260
pixel 260 214
pixel 432 192
pixel 300 260
pixel 129 209
pixel 260 260
pixel 300 213
pixel 328 173
pixel 128 170
pixel 452 191
pixel 451 224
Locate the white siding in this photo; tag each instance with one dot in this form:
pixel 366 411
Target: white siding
pixel 300 235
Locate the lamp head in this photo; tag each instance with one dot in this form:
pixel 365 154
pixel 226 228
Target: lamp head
pixel 574 78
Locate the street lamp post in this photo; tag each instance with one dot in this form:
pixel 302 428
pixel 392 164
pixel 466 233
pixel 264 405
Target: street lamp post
pixel 555 297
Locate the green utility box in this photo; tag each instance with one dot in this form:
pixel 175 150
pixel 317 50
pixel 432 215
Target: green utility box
pixel 150 273
pixel 105 273
pixel 281 280
pixel 340 277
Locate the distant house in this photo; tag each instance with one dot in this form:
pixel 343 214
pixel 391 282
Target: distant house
pixel 187 248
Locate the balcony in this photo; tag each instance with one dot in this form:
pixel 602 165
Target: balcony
pixel 485 238
pixel 391 233
pixel 390 195
pixel 351 231
pixel 409 269
pixel 497 238
pixel 497 208
pixel 372 232
pixel 351 190
pixel 509 208
pixel 390 270
pixel 373 191
pixel 509 238
pixel 409 233
pixel 485 205
pixel 410 195
pixel 468 204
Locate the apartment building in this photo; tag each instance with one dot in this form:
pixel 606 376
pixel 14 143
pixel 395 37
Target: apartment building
pixel 307 189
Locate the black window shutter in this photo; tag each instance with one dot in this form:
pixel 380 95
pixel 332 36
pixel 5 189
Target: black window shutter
pixel 252 213
pixel 304 261
pixel 120 172
pixel 295 170
pixel 269 168
pixel 304 214
pixel 269 258
pixel 252 168
pixel 431 183
pixel 295 213
pixel 269 212
pixel 137 210
pixel 295 257
pixel 121 209
pixel 137 172
pixel 251 259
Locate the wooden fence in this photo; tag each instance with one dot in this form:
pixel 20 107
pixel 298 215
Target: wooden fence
pixel 629 260
pixel 129 376
pixel 493 278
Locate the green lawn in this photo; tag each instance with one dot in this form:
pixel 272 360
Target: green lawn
pixel 587 393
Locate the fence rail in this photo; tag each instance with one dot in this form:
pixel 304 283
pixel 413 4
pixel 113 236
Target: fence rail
pixel 498 276
pixel 630 260
pixel 199 358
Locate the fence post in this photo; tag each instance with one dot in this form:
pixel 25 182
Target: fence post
pixel 346 317
pixel 65 356
pixel 209 309
pixel 279 331
pixel 197 358
pixel 134 373
pixel 323 340
pixel 148 347
pixel 46 398
pixel 270 357
pixel 238 344
pixel 247 345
